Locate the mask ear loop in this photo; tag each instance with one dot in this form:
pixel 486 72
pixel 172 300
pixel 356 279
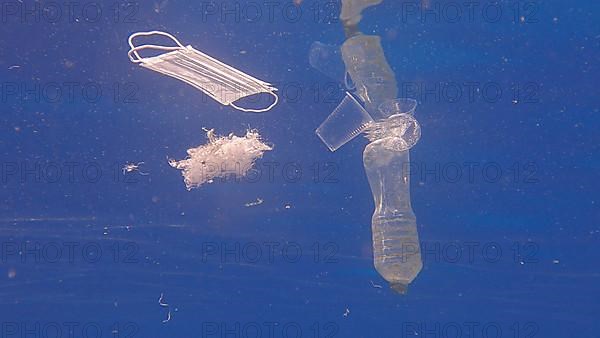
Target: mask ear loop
pixel 133 54
pixel 248 110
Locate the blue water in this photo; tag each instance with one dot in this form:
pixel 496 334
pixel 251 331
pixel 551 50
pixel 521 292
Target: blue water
pixel 504 187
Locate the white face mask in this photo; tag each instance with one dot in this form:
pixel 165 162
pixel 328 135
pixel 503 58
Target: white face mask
pixel 220 81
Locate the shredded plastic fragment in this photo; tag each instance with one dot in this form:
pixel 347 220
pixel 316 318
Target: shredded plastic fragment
pixel 221 157
pixel 258 201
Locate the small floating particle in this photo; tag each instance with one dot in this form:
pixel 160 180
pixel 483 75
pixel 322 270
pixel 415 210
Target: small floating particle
pixel 160 301
pixel 377 286
pixel 131 167
pixel 288 206
pixel 556 261
pixel 14 67
pixel 347 312
pixel 163 304
pixel 168 317
pixel 258 201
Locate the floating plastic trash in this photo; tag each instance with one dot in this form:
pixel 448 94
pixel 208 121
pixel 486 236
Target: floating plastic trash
pixel 400 131
pixel 347 121
pixel 396 249
pixel 216 79
pixel 222 156
pixel 372 75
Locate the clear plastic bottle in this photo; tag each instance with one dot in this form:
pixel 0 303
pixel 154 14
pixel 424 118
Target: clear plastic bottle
pixel 396 250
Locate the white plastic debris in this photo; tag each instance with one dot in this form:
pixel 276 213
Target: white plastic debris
pixel 258 201
pixel 222 156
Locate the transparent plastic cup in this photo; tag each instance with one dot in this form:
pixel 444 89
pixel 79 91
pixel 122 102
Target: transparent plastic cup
pixel 348 120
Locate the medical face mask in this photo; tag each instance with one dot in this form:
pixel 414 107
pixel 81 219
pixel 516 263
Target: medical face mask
pixel 216 79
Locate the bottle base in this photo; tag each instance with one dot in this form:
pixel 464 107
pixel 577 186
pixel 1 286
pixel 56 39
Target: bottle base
pixel 399 288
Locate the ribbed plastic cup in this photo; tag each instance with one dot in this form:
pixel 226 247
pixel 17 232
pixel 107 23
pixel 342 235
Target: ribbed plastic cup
pixel 347 121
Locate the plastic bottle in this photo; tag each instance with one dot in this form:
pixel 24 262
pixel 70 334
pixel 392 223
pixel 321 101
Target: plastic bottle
pixel 396 250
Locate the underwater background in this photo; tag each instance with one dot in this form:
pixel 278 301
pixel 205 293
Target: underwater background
pixel 504 180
